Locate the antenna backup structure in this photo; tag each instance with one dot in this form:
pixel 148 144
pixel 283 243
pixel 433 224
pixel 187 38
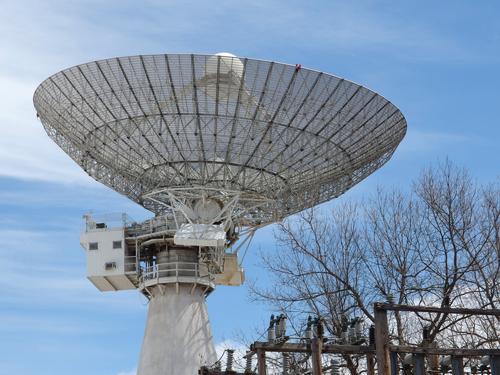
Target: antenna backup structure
pixel 215 146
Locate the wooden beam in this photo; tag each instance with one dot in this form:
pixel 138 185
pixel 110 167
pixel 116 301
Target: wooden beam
pixel 444 351
pixel 306 348
pixel 432 309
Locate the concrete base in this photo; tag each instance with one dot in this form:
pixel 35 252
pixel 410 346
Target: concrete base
pixel 178 338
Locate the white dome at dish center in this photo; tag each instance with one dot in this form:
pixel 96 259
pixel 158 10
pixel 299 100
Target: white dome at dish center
pixel 229 63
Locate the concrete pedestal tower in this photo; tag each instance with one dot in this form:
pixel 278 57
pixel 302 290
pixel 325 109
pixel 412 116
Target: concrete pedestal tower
pixel 178 339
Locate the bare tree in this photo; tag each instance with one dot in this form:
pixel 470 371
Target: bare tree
pixel 318 270
pixel 436 245
pixel 392 238
pixel 483 281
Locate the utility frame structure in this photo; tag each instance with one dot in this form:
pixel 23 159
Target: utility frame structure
pixel 382 356
pixel 216 147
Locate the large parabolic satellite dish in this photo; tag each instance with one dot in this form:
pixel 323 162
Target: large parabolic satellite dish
pixel 216 146
pixel 286 138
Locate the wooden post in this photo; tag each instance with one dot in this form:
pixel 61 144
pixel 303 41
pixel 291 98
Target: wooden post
pixel 261 362
pixel 495 364
pixel 432 359
pixel 316 347
pixel 370 364
pixel 381 340
pixel 457 365
pixel 394 363
pixel 419 367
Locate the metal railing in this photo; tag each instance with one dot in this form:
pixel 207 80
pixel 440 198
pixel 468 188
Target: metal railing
pixel 164 223
pixel 106 221
pixel 175 271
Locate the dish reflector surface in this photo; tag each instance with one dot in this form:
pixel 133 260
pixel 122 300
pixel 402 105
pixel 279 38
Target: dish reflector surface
pixel 287 135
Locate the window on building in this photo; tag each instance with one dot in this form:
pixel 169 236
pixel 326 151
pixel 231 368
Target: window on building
pixel 117 244
pixel 93 245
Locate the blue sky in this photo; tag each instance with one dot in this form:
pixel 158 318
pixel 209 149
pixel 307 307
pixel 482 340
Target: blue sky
pixel 438 61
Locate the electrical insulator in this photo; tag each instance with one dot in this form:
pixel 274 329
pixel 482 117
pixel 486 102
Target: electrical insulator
pixel 282 326
pixel 445 363
pixel 372 335
pixel 390 298
pixel 485 362
pixel 408 361
pixel 271 335
pixel 319 327
pixel 277 326
pixel 314 328
pixel 351 335
pixel 309 332
pixel 286 364
pixel 335 367
pixel 358 329
pixel 248 364
pixel 344 323
pixel 344 337
pixel 474 366
pixel 230 358
pixel 426 331
pixel 218 366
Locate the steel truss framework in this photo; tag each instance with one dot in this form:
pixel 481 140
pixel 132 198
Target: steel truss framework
pixel 233 204
pixel 287 136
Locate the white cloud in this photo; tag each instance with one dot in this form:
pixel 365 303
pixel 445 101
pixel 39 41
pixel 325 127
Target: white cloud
pixel 131 372
pixel 25 150
pixel 47 36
